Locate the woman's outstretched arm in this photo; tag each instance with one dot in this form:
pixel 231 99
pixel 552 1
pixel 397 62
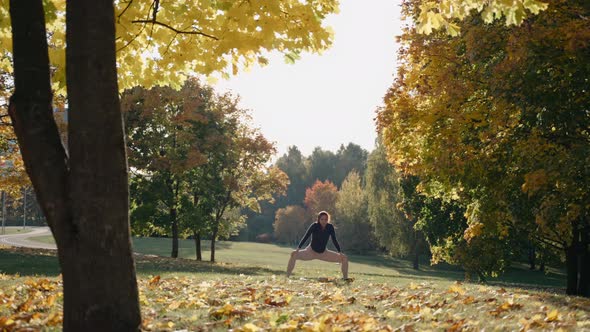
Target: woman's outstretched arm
pixel 306 236
pixel 333 235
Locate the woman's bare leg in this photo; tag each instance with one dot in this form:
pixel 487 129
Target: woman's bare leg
pixel 334 257
pixel 304 255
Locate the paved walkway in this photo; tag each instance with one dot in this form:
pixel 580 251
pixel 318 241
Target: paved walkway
pixel 22 239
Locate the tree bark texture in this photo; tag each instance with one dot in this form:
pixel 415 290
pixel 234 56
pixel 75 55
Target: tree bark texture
pixel 31 114
pixel 84 197
pixel 98 186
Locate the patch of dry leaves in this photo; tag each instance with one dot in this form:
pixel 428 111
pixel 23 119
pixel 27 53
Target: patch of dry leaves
pixel 242 303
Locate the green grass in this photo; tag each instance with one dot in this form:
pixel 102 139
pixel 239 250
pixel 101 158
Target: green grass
pixel 259 258
pixel 14 230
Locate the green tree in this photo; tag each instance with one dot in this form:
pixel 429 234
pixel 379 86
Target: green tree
pixel 348 159
pixel 241 173
pixel 382 190
pixel 293 164
pixel 354 229
pixel 163 148
pixel 321 165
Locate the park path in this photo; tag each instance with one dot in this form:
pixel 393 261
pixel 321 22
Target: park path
pixel 22 239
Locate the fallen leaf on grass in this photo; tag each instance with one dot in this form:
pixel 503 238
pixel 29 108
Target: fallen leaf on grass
pixel 154 281
pixel 505 307
pixel 552 316
pixel 456 288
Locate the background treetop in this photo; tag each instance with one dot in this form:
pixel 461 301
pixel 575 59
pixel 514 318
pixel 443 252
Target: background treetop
pixel 160 43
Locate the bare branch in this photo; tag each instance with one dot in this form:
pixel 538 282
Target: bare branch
pixel 132 39
pixel 555 244
pixel 124 10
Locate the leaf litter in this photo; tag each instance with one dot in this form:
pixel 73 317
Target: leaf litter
pixel 219 302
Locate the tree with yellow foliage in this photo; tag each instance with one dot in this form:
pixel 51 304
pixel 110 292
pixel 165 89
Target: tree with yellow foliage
pixel 497 119
pixel 109 46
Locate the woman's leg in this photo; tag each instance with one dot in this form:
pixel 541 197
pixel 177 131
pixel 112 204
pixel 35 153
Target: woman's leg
pixel 334 257
pixel 304 255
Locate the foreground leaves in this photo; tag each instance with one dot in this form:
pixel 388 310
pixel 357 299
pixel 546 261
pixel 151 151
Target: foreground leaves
pixel 274 303
pixel 220 301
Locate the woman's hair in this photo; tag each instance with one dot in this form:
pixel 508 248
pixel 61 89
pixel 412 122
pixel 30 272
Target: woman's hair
pixel 323 213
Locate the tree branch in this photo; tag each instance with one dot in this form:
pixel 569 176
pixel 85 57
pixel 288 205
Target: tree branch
pixel 176 30
pixel 550 242
pixel 124 10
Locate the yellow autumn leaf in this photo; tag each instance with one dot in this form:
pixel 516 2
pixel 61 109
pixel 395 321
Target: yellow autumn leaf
pixel 552 316
pixel 174 305
pixel 456 289
pixel 250 327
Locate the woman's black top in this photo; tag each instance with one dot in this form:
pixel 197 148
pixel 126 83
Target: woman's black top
pixel 319 237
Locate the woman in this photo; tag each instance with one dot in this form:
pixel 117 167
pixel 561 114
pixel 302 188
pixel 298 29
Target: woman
pixel 320 231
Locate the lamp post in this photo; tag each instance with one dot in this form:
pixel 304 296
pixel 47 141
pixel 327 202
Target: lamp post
pixel 24 207
pixel 3 212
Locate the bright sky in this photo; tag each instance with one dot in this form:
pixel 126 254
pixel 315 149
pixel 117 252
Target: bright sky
pixel 330 99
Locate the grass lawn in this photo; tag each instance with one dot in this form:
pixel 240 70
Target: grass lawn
pixel 272 258
pixel 14 230
pixel 246 290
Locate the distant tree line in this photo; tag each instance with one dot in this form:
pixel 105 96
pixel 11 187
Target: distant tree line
pixel 376 209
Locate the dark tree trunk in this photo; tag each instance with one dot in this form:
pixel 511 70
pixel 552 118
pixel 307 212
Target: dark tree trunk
pixel 542 265
pixel 415 261
pixel 213 237
pixel 174 219
pixel 31 113
pixel 85 198
pixel 416 252
pixel 174 187
pixel 103 289
pixel 197 237
pixel 532 258
pixel 218 216
pixel 584 266
pixel 571 262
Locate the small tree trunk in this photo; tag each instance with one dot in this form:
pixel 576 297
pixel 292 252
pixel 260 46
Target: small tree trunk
pixel 197 237
pixel 532 258
pixel 584 266
pixel 416 252
pixel 174 219
pixel 213 237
